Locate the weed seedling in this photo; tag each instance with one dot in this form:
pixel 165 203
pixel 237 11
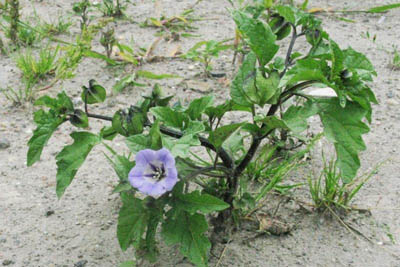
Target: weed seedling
pixel 82 9
pixel 36 68
pixel 108 41
pixel 204 52
pixel 331 191
pixel 111 8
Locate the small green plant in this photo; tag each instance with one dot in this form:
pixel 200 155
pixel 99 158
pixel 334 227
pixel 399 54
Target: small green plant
pixel 107 40
pixel 396 59
pixel 35 68
pixel 111 8
pixel 60 26
pixel 172 28
pixel 82 9
pixel 330 189
pixel 204 52
pixel 14 18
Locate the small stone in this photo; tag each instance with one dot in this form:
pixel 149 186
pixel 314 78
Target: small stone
pixel 392 102
pixel 7 262
pixel 49 213
pixel 81 263
pixel 4 143
pixel 191 67
pixel 390 94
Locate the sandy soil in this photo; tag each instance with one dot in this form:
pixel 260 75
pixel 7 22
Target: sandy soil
pixel 36 229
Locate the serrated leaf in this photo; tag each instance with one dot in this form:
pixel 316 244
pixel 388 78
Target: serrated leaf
pixel 296 117
pixel 198 106
pixel 287 13
pixel 188 231
pixel 242 88
pixel 258 35
pixel 218 136
pixel 71 158
pixel 47 123
pixel 121 164
pixel 180 147
pixel 62 101
pixel 170 117
pixel 138 142
pixel 306 70
pixel 194 127
pixel 205 203
pixel 132 221
pixel 267 88
pixel 154 76
pixel 359 63
pixel 344 128
pixel 337 59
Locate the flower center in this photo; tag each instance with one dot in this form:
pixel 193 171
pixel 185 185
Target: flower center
pixel 158 171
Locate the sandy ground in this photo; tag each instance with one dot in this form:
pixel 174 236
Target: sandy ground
pixel 36 229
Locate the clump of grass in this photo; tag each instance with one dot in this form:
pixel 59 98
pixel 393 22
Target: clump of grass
pixel 329 191
pixel 35 68
pixel 60 26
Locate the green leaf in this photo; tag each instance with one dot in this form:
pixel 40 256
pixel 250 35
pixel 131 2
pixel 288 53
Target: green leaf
pixel 151 75
pixel 384 8
pixel 79 119
pixel 121 164
pixel 180 147
pixel 258 35
pixel 267 88
pixel 93 54
pixel 306 70
pixel 122 187
pixel 155 136
pixel 95 93
pixel 205 203
pixel 198 106
pixel 128 80
pixel 47 123
pixel 344 128
pixel 170 117
pixel 287 13
pixel 194 127
pixel 70 159
pixel 188 231
pixel 61 102
pixel 128 264
pixel 271 123
pixel 242 88
pixel 108 133
pixel 296 117
pixel 132 221
pixel 359 63
pixel 138 142
pixel 218 136
pixel 337 59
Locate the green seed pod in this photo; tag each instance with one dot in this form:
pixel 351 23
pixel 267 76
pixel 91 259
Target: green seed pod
pixel 283 32
pixel 128 123
pixel 276 23
pixel 79 119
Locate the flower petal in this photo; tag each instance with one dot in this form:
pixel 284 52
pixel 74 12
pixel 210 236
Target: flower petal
pixel 144 157
pixel 165 156
pixel 171 179
pixel 157 190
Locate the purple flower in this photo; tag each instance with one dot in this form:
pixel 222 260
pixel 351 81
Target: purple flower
pixel 154 173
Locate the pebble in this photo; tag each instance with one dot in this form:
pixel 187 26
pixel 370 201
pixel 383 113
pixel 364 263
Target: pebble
pixel 390 94
pixel 7 262
pixel 81 263
pixel 77 101
pixel 49 213
pixel 4 143
pixel 392 102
